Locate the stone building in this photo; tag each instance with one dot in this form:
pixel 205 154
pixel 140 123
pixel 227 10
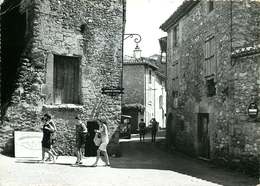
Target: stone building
pixel 213 77
pixel 144 91
pixel 56 56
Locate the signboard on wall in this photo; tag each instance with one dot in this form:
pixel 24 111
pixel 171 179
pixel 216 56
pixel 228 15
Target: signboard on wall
pixel 253 110
pixel 28 144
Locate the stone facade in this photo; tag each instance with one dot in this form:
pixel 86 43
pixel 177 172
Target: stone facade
pixel 86 32
pixel 207 104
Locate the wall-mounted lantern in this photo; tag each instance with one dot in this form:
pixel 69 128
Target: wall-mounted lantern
pixel 137 39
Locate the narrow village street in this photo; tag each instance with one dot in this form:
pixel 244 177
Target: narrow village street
pixel 77 73
pixel 143 164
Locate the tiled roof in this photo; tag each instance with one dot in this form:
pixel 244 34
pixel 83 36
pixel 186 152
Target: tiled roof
pixel 245 51
pixel 140 61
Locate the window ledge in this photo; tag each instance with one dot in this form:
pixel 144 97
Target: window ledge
pixel 63 106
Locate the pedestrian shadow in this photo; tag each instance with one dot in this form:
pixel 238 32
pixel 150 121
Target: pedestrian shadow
pixel 27 161
pixel 147 155
pixel 50 163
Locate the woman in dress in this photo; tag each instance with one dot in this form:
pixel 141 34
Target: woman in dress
pixel 104 142
pixel 46 139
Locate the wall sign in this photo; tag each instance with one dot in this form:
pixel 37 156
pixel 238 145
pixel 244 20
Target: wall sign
pixel 112 91
pixel 252 110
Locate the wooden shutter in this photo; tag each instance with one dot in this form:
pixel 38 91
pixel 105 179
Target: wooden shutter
pixel 210 61
pixel 66 79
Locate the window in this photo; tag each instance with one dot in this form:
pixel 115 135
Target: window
pixel 211 89
pixel 210 5
pixel 150 76
pixel 160 101
pixel 210 62
pixel 176 36
pixel 175 76
pixel 66 80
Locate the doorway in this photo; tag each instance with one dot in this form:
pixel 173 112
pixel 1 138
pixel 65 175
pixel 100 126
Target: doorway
pixel 90 147
pixel 203 135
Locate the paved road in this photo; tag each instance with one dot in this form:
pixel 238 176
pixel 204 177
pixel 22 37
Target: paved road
pixel 143 164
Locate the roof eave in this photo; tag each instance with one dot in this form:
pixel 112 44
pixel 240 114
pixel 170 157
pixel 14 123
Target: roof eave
pixel 178 14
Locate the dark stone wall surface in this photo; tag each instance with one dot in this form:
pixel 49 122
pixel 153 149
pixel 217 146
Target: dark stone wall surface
pixel 90 30
pixel 232 133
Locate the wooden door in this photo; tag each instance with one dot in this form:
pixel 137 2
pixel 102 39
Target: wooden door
pixel 203 135
pixel 66 80
pixel 90 147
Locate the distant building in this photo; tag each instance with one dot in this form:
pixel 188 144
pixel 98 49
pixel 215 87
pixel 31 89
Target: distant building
pixel 144 91
pixel 213 79
pixel 56 57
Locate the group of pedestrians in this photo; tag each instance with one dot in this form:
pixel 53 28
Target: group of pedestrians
pixel 154 128
pixel 49 138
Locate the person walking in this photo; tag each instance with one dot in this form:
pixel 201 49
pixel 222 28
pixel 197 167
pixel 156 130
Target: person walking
pixel 104 142
pixel 46 139
pixel 81 131
pixel 142 130
pixel 154 129
pixel 52 137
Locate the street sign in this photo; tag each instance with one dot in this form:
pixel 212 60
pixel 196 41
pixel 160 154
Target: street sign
pixel 112 91
pixel 252 110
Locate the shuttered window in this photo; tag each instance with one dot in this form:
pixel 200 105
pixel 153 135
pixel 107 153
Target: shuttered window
pixel 210 5
pixel 210 62
pixel 176 36
pixel 66 80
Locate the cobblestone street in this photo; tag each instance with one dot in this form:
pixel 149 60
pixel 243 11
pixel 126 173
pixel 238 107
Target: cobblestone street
pixel 143 164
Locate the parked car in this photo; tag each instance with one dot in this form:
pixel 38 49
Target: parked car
pixel 125 127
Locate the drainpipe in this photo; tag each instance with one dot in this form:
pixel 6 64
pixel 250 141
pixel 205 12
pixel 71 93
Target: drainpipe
pixel 231 30
pixel 124 21
pixel 144 93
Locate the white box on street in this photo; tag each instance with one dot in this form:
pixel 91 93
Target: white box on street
pixel 28 144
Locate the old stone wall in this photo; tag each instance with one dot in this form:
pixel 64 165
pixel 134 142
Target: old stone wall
pixel 90 31
pixel 236 83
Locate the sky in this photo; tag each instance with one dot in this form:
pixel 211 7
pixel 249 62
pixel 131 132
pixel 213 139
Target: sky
pixel 145 17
